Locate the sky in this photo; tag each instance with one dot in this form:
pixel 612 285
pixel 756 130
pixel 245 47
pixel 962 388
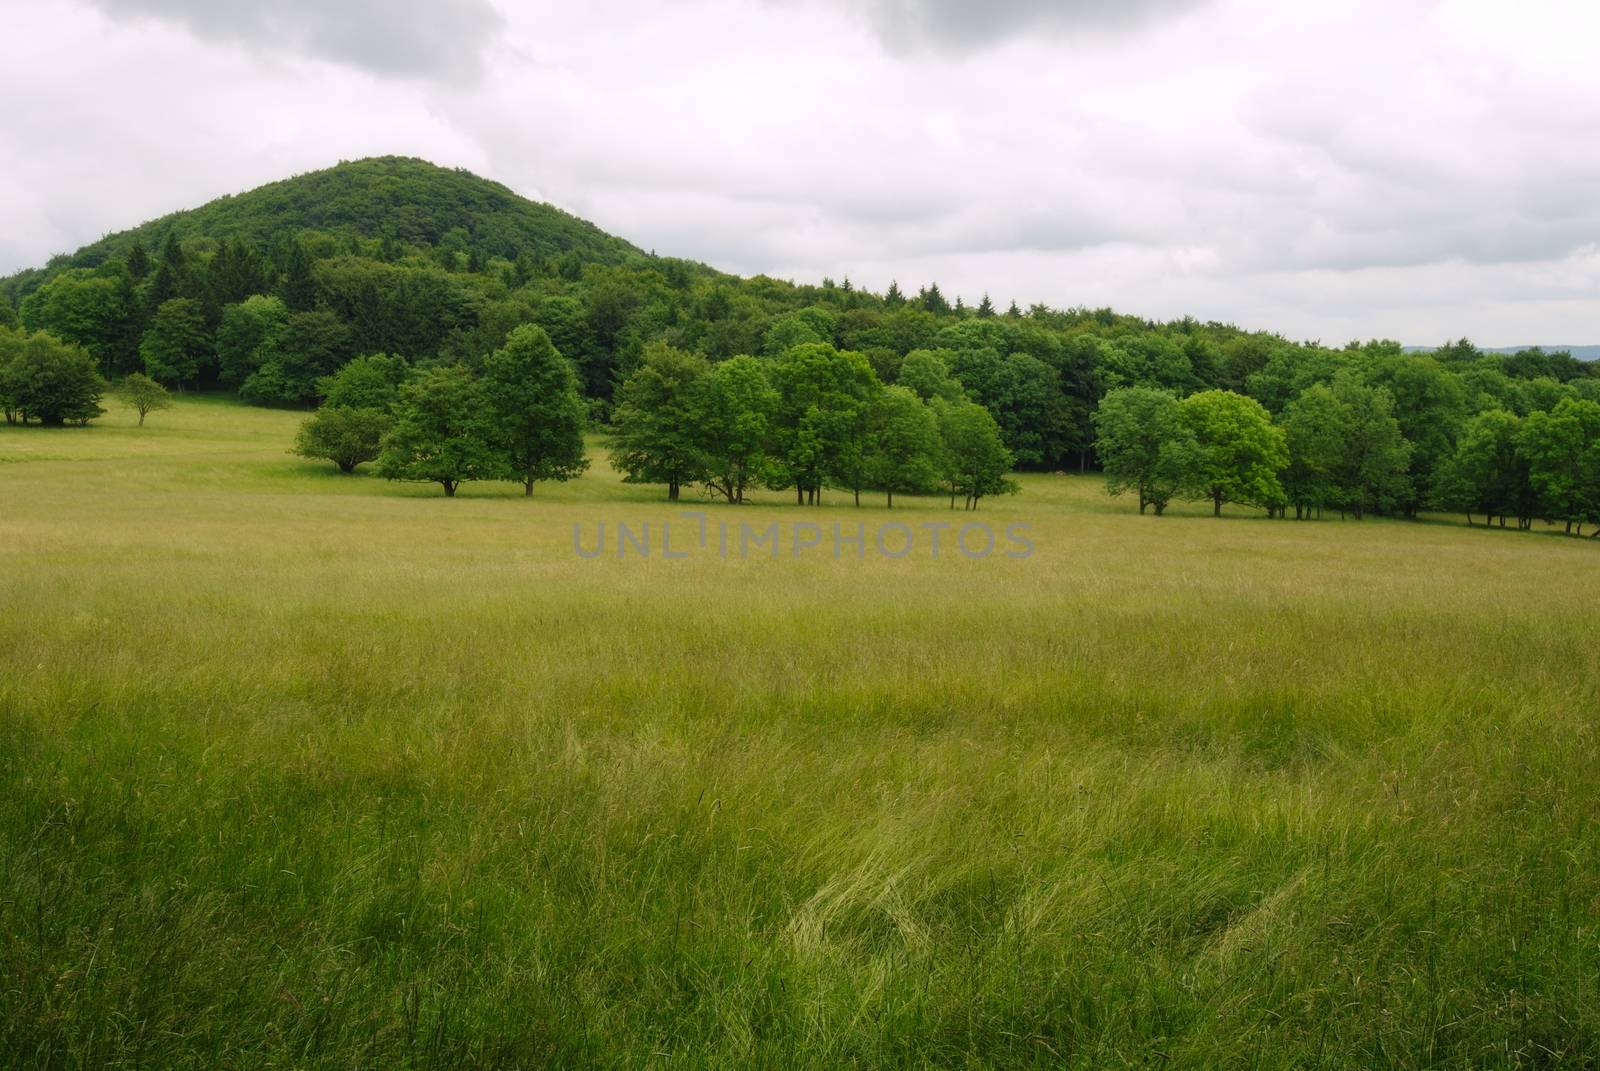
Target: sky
pixel 1410 169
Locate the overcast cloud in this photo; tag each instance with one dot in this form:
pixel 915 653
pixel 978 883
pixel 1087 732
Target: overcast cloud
pixel 1411 169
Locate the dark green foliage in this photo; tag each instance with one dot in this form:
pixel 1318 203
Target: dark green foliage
pixel 248 337
pixel 177 345
pixel 656 423
pixel 538 416
pixel 824 397
pixel 1139 442
pixel 95 308
pixel 735 423
pixel 443 432
pixel 906 453
pixel 47 380
pixel 312 345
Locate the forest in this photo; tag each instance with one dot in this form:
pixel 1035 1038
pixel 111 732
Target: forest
pixel 421 306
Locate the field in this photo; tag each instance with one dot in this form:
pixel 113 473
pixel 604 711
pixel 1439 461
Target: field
pixel 301 770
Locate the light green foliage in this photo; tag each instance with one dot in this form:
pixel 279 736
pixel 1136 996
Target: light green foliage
pixel 927 372
pixel 248 337
pixel 177 343
pixel 345 435
pixel 656 425
pixel 444 433
pixel 1489 473
pixel 538 416
pixel 824 396
pixel 734 426
pixel 95 308
pixel 1374 467
pixel 370 382
pixel 906 452
pixel 1231 451
pixel 974 455
pixel 1139 440
pixel 143 395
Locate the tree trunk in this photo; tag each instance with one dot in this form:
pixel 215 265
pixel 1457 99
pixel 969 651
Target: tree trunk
pixel 890 493
pixel 672 492
pixel 141 418
pixel 449 488
pixel 527 487
pixel 799 494
pixel 858 498
pixel 1216 504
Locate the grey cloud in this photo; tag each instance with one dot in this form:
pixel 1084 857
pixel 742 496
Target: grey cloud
pixel 959 25
pixel 434 39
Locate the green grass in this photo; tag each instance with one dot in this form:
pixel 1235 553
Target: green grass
pixel 299 770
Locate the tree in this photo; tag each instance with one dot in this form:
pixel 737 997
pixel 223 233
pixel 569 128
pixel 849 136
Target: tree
pixel 95 308
pixel 927 372
pixel 443 432
pixel 346 436
pixel 1315 426
pixel 975 456
pixel 1232 451
pixel 1562 448
pixel 1138 431
pixel 248 337
pixel 823 397
pixel 370 382
pixel 176 343
pixel 51 381
pixel 143 394
pixel 539 418
pixel 311 345
pixel 734 424
pixel 1488 473
pixel 656 434
pixel 905 450
pixel 1375 464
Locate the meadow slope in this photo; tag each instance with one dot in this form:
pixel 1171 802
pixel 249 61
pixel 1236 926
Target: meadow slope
pixel 303 770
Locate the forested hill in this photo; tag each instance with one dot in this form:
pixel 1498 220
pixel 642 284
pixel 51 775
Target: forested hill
pixel 269 292
pixel 406 201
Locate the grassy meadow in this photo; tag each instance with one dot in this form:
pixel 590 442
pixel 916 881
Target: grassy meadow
pixel 308 771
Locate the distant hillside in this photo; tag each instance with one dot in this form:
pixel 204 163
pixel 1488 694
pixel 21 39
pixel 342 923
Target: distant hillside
pixel 1582 353
pixel 404 200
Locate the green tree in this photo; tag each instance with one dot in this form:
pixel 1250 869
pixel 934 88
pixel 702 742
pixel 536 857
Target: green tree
pixel 312 345
pixel 823 398
pixel 532 392
pixel 1138 434
pixel 370 382
pixel 906 450
pixel 96 308
pixel 248 337
pixel 1374 468
pixel 143 394
pixel 1562 448
pixel 443 432
pixel 974 453
pixel 656 432
pixel 176 344
pixel 1488 473
pixel 1315 429
pixel 927 372
pixel 346 436
pixel 51 381
pixel 734 425
pixel 1232 451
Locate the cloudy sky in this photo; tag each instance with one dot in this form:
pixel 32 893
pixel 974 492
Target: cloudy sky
pixel 1410 169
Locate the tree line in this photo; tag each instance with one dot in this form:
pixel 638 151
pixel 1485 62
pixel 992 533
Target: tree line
pixel 809 418
pixel 1342 446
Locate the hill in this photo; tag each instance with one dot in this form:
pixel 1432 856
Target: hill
pixel 400 199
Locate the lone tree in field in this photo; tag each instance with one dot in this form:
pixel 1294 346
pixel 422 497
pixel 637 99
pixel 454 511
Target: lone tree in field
pixel 905 454
pixel 143 394
pixel 1232 452
pixel 975 457
pixel 48 380
pixel 1138 431
pixel 655 437
pixel 443 433
pixel 538 416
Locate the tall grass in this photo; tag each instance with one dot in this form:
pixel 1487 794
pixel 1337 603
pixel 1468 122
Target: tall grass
pixel 309 771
